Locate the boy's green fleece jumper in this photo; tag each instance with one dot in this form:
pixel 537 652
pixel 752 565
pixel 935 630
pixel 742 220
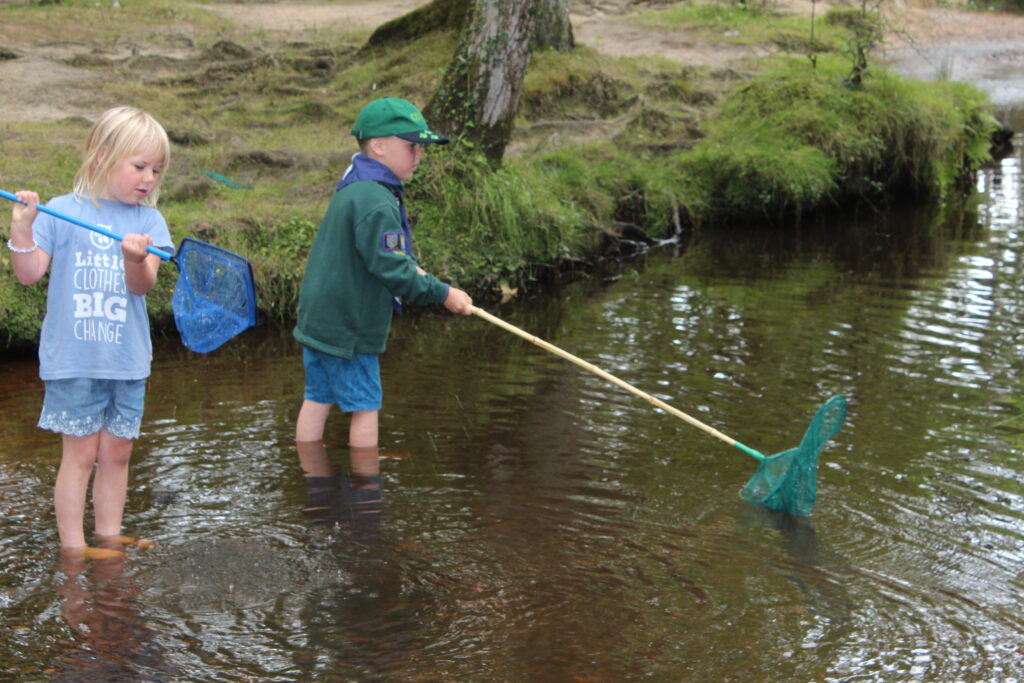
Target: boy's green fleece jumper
pixel 360 262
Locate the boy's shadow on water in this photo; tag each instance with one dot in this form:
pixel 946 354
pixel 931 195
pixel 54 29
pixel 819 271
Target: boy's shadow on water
pixel 101 606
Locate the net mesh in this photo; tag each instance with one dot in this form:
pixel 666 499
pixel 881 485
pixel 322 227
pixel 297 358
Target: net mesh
pixel 787 481
pixel 215 298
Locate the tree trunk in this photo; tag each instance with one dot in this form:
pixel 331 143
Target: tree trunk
pixel 479 94
pixel 553 30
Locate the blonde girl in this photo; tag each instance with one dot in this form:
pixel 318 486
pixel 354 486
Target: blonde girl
pixel 95 346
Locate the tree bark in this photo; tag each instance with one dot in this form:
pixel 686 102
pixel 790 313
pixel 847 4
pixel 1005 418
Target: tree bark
pixel 553 30
pixel 479 95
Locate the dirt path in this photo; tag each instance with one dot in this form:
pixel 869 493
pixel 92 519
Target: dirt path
pixel 598 24
pixel 287 17
pixel 985 48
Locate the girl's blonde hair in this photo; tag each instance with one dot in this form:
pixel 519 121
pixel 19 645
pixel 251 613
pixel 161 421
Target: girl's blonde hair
pixel 118 133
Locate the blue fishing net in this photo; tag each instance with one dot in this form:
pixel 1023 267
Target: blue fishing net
pixel 215 297
pixel 787 481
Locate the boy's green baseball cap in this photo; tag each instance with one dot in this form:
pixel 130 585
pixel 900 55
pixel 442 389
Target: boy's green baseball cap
pixel 394 116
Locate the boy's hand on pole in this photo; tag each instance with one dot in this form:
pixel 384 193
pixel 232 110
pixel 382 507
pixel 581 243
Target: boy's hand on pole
pixel 458 301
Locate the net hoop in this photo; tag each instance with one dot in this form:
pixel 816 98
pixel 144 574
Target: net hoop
pixel 215 296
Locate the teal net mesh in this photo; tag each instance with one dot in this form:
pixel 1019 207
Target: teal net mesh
pixel 215 297
pixel 787 481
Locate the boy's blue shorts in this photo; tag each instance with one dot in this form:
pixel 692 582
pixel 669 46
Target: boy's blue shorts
pixel 352 384
pixel 83 406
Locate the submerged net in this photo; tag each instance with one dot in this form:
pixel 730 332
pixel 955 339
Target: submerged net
pixel 215 297
pixel 787 481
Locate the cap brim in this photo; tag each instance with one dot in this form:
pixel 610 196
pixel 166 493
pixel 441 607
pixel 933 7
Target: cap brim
pixel 424 137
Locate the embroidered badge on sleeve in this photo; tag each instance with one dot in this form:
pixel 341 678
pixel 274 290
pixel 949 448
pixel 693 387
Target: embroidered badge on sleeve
pixel 393 241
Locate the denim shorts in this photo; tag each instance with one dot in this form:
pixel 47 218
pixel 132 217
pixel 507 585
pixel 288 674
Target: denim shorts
pixel 83 406
pixel 352 384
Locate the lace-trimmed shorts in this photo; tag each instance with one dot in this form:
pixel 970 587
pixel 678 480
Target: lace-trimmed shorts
pixel 83 406
pixel 352 384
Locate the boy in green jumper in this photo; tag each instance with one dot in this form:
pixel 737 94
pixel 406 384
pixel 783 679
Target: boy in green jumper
pixel 360 266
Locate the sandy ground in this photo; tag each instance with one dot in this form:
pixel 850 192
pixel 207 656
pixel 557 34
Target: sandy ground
pixel 985 48
pixel 285 16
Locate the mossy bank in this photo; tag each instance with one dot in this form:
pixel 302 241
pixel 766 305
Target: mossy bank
pixel 604 147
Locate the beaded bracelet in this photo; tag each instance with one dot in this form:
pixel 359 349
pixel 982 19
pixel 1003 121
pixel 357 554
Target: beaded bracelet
pixel 18 250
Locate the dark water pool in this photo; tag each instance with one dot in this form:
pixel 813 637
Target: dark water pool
pixel 534 522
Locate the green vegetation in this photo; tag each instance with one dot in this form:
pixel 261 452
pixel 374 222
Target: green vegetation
pixel 795 139
pixel 739 25
pixel 1001 5
pixel 602 144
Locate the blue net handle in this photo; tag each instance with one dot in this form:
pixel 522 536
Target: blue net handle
pixel 82 224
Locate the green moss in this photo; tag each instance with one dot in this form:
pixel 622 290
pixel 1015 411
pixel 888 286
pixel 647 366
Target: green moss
pixel 87 21
pixel 21 308
pixel 796 138
pixel 439 15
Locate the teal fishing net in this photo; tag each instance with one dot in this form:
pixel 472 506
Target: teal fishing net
pixel 787 481
pixel 215 297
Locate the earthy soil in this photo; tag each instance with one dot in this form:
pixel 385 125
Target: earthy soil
pixel 927 42
pixel 282 16
pixel 983 48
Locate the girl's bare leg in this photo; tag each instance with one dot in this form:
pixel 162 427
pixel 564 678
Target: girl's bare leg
pixel 110 486
pixel 78 456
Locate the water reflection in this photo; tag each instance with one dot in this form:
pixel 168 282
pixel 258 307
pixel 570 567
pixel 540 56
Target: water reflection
pixel 819 574
pixel 355 497
pixel 102 608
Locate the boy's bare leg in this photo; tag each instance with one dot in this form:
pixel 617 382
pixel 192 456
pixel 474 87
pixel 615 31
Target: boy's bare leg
pixel 365 462
pixel 312 418
pixel 319 474
pixel 362 431
pixel 366 477
pixel 313 459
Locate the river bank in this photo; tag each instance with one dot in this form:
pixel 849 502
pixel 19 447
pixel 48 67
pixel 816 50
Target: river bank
pixel 612 142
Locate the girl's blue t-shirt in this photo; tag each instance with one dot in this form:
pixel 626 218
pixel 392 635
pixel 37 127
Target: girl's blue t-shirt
pixel 94 327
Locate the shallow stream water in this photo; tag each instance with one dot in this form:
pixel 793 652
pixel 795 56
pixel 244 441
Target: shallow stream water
pixel 534 522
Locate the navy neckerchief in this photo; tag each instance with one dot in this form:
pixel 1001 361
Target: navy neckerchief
pixel 365 168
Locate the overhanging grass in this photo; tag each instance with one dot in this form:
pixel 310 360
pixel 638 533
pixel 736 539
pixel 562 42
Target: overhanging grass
pixel 796 138
pixel 479 226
